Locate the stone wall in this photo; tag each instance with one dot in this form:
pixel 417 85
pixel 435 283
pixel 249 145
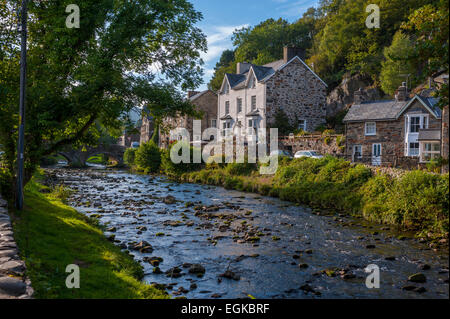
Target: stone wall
pixel 13 283
pixel 333 144
pixel 391 136
pixel 206 103
pixel 299 94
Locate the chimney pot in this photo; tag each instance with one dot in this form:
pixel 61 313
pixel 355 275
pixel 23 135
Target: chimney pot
pixel 402 93
pixel 242 67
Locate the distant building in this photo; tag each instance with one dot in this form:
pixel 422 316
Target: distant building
pixel 147 127
pixel 250 99
pixel 206 102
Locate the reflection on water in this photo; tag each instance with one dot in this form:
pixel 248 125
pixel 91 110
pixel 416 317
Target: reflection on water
pixel 279 250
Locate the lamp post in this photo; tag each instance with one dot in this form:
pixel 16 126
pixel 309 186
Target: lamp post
pixel 23 80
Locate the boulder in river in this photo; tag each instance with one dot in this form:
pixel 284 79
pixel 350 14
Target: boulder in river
pixel 418 278
pixel 196 269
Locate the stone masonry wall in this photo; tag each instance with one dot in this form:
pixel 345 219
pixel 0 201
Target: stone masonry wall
pixel 207 103
pixel 299 93
pixel 391 136
pixel 334 144
pixel 13 283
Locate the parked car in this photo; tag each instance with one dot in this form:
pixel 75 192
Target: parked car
pixel 135 145
pixel 281 153
pixel 310 154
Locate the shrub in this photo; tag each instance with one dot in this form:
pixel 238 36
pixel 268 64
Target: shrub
pixel 245 168
pixel 129 156
pixel 212 162
pixel 148 158
pixel 176 170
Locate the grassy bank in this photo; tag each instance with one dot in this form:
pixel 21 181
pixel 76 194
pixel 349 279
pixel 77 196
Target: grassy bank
pixel 417 201
pixel 51 235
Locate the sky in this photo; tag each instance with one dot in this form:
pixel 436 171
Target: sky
pixel 221 18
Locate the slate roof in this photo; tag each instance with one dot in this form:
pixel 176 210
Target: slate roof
pixel 429 135
pixel 387 110
pixel 196 96
pixel 226 117
pixel 262 73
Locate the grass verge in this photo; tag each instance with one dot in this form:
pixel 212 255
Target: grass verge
pixel 52 235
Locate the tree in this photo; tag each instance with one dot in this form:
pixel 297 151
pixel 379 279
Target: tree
pixel 430 27
pixel 78 77
pixel 395 69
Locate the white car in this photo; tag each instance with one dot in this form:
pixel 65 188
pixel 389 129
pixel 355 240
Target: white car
pixel 310 154
pixel 281 153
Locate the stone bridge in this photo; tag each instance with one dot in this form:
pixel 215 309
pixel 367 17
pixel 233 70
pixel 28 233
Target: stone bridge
pixel 79 157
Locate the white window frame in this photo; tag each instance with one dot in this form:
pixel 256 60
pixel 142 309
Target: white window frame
pixel 410 153
pixel 239 104
pixel 227 107
pixel 304 126
pixel 361 151
pixel 253 102
pixel 424 151
pixel 214 123
pixel 366 131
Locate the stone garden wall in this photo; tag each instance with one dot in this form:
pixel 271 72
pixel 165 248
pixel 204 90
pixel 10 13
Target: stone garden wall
pixel 331 144
pixel 13 283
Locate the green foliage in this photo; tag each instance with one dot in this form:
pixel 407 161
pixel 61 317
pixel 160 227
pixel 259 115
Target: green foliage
pixel 78 78
pixel 51 235
pixel 417 201
pixel 176 170
pixel 129 156
pixel 430 27
pixel 101 159
pixel 240 169
pixel 281 121
pixel 395 69
pixel 148 158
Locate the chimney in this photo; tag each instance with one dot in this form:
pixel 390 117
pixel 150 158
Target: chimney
pixel 191 94
pixel 290 52
pixel 242 67
pixel 402 93
pixel 359 96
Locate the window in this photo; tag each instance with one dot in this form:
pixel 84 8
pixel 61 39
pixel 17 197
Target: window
pixel 239 105
pixel 214 123
pixel 226 89
pixel 227 107
pixel 252 126
pixel 253 102
pixel 430 151
pixel 302 125
pixel 414 124
pixel 413 149
pixel 371 128
pixel 226 128
pixel 357 152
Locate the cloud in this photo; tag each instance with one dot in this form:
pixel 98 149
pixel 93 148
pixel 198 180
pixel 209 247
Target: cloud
pixel 294 8
pixel 219 40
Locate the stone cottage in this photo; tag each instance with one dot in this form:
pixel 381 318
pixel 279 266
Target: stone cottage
pixel 206 103
pixel 250 99
pixel 405 131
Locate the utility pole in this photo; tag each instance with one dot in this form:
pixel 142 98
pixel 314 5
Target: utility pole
pixel 23 84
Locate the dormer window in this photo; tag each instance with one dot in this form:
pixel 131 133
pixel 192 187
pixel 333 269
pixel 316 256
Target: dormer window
pixel 252 82
pixel 226 88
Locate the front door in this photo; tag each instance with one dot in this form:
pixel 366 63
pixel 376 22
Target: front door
pixel 376 154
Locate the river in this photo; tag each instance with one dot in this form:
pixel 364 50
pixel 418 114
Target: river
pixel 272 248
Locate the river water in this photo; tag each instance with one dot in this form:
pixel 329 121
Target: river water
pixel 261 241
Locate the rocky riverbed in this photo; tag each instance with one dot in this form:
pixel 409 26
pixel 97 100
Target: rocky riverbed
pixel 207 242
